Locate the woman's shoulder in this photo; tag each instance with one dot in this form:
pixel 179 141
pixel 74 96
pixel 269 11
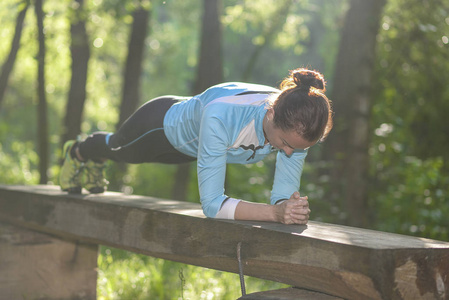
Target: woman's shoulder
pixel 244 86
pixel 222 91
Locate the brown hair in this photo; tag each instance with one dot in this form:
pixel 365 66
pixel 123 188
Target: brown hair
pixel 302 105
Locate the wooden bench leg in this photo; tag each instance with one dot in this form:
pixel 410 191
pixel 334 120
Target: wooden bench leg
pixel 38 266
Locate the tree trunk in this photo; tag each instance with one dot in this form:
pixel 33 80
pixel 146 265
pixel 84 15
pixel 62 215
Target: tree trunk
pixel 80 53
pixel 131 80
pixel 133 68
pixel 42 102
pixel 348 143
pixel 209 72
pixel 15 45
pixel 210 65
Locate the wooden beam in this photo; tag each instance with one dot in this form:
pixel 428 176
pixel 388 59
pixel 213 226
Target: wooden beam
pixel 342 261
pixel 34 265
pixel 288 294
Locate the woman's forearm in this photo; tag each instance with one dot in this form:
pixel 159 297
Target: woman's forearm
pixel 255 212
pixel 292 211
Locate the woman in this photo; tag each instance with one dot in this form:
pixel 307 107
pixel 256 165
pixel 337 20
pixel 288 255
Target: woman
pixel 228 123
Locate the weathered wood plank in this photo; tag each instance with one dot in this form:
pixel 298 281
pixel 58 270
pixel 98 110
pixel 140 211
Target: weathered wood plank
pixel 337 260
pixel 37 266
pixel 288 294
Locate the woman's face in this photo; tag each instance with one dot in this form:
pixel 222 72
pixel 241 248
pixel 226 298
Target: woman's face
pixel 287 141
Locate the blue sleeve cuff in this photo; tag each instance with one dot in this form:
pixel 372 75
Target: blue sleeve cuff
pixel 211 208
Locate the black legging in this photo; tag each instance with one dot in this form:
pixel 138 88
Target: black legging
pixel 140 139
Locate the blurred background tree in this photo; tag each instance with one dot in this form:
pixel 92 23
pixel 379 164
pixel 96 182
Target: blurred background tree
pixel 385 163
pixel 80 54
pixel 347 148
pixel 132 74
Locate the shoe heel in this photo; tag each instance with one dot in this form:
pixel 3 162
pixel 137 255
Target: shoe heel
pixel 96 190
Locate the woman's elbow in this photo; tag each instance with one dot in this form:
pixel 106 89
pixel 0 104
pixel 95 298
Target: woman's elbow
pixel 209 213
pixel 210 208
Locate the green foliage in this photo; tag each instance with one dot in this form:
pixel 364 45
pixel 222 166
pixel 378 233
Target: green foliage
pixel 314 185
pixel 123 275
pixel 409 143
pixel 413 54
pixel 20 167
pixel 417 204
pixel 248 24
pixel 251 182
pixel 172 49
pixel 151 179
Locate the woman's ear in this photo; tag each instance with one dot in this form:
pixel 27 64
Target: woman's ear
pixel 270 113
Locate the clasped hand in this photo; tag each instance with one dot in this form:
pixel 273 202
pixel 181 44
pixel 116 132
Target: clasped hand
pixel 293 211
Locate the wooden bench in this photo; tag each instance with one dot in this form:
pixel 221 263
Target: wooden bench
pixel 49 244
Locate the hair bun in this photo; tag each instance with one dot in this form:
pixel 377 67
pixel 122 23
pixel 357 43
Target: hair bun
pixel 305 79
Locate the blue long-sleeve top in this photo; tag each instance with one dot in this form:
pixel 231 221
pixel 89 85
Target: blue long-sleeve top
pixel 224 125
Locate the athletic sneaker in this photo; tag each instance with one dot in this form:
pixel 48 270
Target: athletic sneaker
pixel 70 175
pixel 94 180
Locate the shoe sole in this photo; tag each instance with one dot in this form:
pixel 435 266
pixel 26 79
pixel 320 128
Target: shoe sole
pixel 96 190
pixel 74 190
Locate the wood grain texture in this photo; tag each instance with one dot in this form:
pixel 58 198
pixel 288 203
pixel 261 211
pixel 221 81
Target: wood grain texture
pixel 38 266
pixel 288 294
pixel 347 262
